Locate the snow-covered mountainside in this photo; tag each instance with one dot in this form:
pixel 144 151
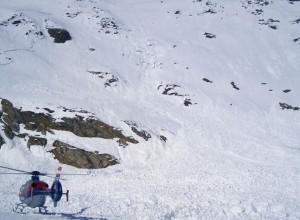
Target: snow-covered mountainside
pixel 194 104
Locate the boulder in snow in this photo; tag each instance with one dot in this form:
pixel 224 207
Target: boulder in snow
pixel 60 35
pixel 73 156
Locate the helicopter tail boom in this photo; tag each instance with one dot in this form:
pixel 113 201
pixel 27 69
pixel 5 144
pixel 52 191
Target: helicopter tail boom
pixel 56 189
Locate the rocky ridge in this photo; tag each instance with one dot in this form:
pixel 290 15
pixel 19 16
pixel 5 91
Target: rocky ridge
pixel 11 119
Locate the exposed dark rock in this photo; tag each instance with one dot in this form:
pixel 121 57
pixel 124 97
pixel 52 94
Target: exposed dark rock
pixel 287 106
pixel 257 12
pixel 36 141
pixel 48 110
pixel 286 91
pixel 91 128
pixel 8 119
pixel 209 35
pixel 255 3
pixel 28 25
pixel 234 86
pixel 209 11
pixel 122 142
pixel 23 135
pixel 169 90
pixel 108 26
pixel 59 35
pixel 296 40
pixel 270 22
pixel 292 1
pixel 43 123
pixel 8 132
pixel 73 156
pixel 11 118
pixel 16 22
pixel 187 102
pixel 163 138
pixel 177 12
pixel 207 80
pixel 296 21
pixel 73 110
pixel 213 7
pixel 142 133
pixel 1 141
pixel 9 113
pixel 37 121
pixel 37 33
pixel 110 79
pixel 73 15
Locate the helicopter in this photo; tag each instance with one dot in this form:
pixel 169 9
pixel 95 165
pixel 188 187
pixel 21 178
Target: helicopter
pixel 33 193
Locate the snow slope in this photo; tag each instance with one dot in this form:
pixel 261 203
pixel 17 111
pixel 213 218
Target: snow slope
pixel 232 154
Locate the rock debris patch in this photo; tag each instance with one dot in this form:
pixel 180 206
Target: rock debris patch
pixel 173 90
pixel 109 78
pixel 288 107
pixel 140 132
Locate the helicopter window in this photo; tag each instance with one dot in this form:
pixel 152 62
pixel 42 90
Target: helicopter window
pixel 33 185
pixel 23 187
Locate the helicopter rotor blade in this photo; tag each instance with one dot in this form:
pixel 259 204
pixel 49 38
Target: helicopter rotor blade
pixel 67 174
pixel 22 171
pixel 29 174
pixel 63 174
pixel 37 173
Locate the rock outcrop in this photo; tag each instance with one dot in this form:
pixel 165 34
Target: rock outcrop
pixel 80 158
pixel 1 141
pixel 11 118
pixel 287 106
pixel 142 133
pixel 8 119
pixel 43 123
pixel 36 141
pixel 59 35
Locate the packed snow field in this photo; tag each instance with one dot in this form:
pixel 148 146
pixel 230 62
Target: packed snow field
pixel 218 79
